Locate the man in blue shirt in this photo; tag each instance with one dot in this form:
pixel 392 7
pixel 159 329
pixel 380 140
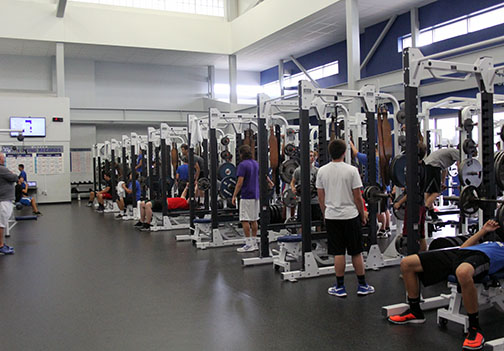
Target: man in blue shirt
pixel 22 172
pixel 182 176
pixel 384 215
pixel 127 197
pixel 139 162
pixel 471 262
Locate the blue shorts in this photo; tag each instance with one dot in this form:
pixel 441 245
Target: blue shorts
pixel 26 201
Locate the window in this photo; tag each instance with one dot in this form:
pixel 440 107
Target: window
pixel 487 18
pixel 198 7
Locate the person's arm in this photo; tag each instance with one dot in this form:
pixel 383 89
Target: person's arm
pixel 321 200
pixel 184 193
pixel 400 202
pixel 126 189
pixel 198 170
pixel 106 190
pixel 25 188
pixel 293 185
pixel 488 227
pixel 238 187
pixel 359 203
pixel 270 182
pixel 8 175
pixel 354 149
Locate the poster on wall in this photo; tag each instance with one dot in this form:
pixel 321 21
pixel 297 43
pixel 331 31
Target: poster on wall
pixel 81 161
pixel 13 160
pixel 49 163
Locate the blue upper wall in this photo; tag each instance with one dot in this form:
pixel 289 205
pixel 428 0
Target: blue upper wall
pixel 386 57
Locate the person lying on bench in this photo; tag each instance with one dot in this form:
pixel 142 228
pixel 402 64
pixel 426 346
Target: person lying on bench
pixel 469 263
pixel 148 207
pixel 22 196
pixel 127 199
pixel 102 194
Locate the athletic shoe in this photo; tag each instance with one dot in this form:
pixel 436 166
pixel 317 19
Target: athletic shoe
pixel 382 234
pixel 247 248
pixel 474 340
pixel 100 209
pixel 365 290
pixel 89 204
pixel 37 213
pixel 145 227
pixel 6 250
pixel 138 224
pixel 118 216
pixel 406 317
pixel 337 291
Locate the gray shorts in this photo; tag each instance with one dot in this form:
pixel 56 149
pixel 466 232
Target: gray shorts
pixel 249 210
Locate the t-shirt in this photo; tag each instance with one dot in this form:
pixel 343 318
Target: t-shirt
pixel 249 170
pixel 183 172
pixel 138 190
pixel 362 158
pixel 443 158
pixel 139 158
pixel 495 252
pixel 107 184
pixel 177 203
pixel 338 179
pixel 19 191
pixel 201 163
pixel 313 178
pixel 23 174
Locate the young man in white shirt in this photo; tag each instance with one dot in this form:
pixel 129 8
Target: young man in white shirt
pixel 339 192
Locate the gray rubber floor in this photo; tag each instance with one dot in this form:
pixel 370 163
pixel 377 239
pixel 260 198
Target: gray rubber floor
pixel 83 281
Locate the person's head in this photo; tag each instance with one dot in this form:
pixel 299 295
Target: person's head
pixel 20 180
pixel 184 149
pixel 106 176
pixel 184 159
pixel 245 152
pixel 422 150
pixel 2 158
pixel 312 157
pixel 21 167
pixel 337 149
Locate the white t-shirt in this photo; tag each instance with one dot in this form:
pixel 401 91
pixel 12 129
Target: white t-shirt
pixel 338 179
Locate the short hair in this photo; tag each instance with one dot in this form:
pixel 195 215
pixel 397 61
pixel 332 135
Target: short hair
pixel 184 146
pixel 19 177
pixel 106 174
pixel 422 150
pixel 21 165
pixel 337 148
pixel 245 152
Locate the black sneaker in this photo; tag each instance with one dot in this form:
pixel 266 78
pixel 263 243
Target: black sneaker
pixel 37 213
pixel 100 209
pixel 474 340
pixel 138 224
pixel 146 227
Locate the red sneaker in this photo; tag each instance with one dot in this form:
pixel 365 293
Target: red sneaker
pixel 406 317
pixel 474 340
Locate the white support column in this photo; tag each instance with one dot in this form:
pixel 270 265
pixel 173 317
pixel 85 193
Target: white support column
pixel 353 43
pixel 211 82
pixel 60 69
pixel 233 94
pixel 415 27
pixel 280 76
pixel 231 9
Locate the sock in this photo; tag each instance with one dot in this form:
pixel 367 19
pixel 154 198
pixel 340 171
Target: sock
pixel 415 306
pixel 340 281
pixel 361 279
pixel 473 320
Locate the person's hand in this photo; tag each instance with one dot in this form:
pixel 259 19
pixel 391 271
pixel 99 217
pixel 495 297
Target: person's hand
pixel 490 226
pixel 233 200
pixel 294 190
pixel 364 219
pixel 397 205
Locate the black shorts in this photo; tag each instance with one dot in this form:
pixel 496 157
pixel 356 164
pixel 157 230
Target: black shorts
pixel 439 264
pixel 316 213
pixel 432 179
pixel 344 235
pixel 157 206
pixel 128 200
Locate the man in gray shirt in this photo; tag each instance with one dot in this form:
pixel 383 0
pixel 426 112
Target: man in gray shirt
pixel 296 176
pixel 436 165
pixel 7 181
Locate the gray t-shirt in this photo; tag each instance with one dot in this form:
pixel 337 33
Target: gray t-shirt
pixel 313 177
pixel 7 180
pixel 443 158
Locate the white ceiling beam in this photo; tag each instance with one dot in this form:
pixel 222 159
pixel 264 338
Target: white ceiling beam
pixel 61 8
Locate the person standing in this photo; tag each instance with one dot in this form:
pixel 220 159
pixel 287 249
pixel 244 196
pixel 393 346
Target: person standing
pixel 248 183
pixel 182 176
pixel 339 191
pixel 7 180
pixel 22 172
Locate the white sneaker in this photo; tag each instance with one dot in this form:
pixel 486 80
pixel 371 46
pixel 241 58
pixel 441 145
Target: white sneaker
pixel 246 248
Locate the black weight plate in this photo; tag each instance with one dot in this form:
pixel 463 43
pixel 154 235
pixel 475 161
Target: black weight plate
pixel 226 155
pixel 287 168
pixel 467 202
pixel 225 141
pixel 290 150
pixel 398 173
pixel 500 216
pixel 227 187
pixel 226 170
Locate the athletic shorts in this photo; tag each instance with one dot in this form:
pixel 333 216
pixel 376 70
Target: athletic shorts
pixel 316 213
pixel 5 213
pixel 249 210
pixel 26 201
pixel 344 235
pixel 107 196
pixel 439 264
pixel 432 179
pixel 421 222
pixel 157 206
pixel 128 200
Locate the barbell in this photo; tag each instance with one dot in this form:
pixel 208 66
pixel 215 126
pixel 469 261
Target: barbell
pixel 469 200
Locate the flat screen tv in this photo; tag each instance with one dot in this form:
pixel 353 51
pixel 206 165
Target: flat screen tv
pixel 31 126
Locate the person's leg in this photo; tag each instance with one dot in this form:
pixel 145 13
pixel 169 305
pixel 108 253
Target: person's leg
pixel 100 199
pixel 1 236
pixel 339 265
pixel 410 267
pixel 254 227
pixel 148 212
pixel 246 228
pixel 465 273
pixel 430 199
pixel 387 220
pixel 91 196
pixel 120 204
pixel 358 264
pixel 34 205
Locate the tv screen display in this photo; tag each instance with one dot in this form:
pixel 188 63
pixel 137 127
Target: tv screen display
pixel 31 126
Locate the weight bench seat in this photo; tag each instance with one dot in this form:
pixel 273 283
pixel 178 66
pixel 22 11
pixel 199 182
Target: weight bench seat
pixel 203 220
pixel 485 280
pixel 290 239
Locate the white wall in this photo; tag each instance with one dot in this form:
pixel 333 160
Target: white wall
pixel 51 188
pixel 31 73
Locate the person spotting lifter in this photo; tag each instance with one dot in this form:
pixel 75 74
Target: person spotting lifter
pixel 469 263
pixel 248 183
pixel 339 192
pixel 7 180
